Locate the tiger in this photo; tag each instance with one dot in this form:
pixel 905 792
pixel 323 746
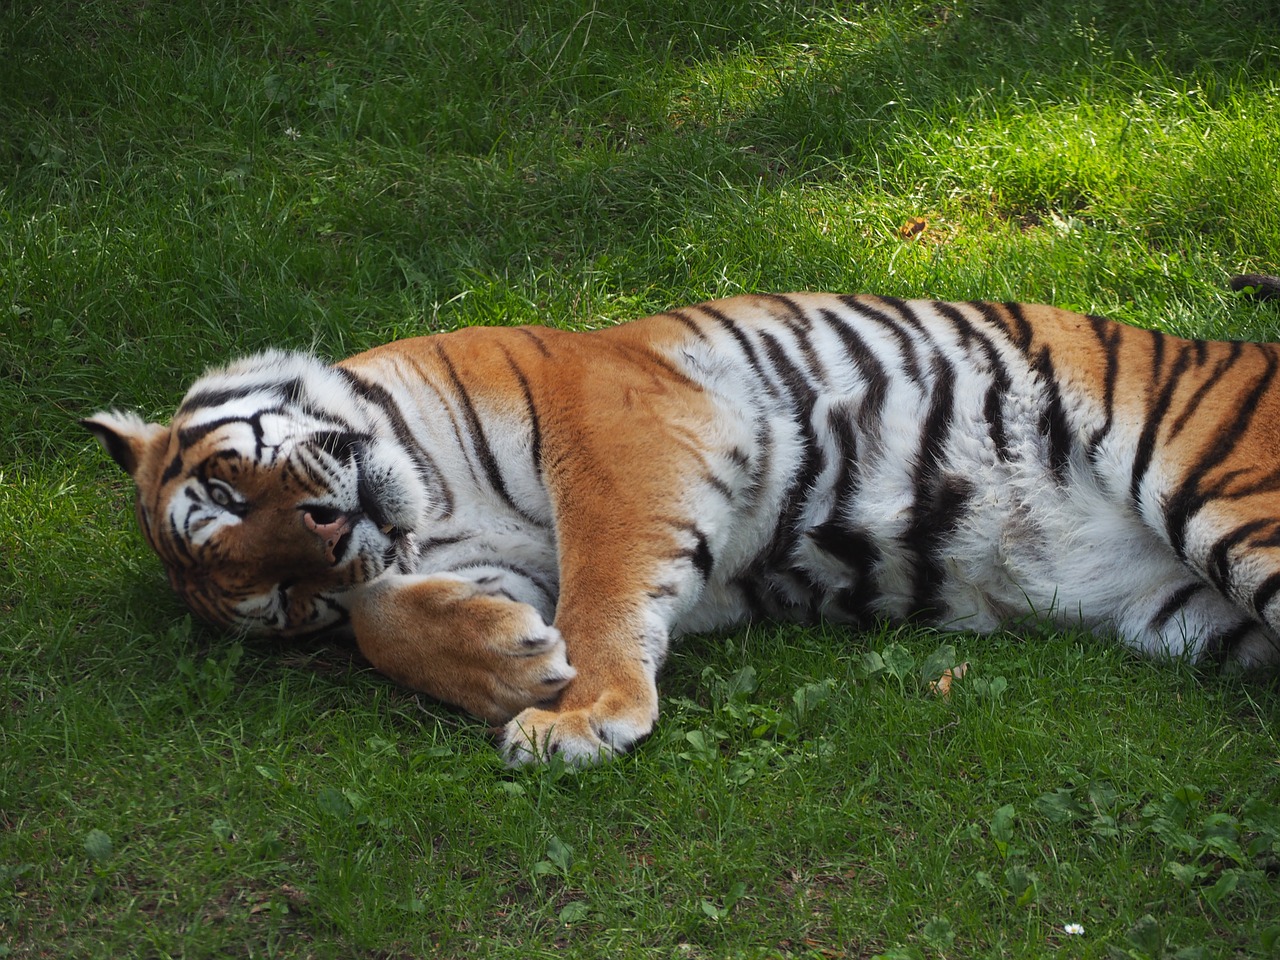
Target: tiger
pixel 519 521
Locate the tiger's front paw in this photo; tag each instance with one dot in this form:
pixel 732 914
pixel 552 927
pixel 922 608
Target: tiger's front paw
pixel 581 737
pixel 534 668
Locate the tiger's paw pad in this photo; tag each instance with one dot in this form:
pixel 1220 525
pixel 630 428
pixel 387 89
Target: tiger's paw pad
pixel 579 737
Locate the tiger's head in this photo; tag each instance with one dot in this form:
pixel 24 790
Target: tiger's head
pixel 278 486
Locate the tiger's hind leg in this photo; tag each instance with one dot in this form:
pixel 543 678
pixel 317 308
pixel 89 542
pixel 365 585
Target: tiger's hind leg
pixel 1233 544
pixel 1187 616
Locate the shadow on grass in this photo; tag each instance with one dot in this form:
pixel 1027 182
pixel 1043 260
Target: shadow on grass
pixel 192 182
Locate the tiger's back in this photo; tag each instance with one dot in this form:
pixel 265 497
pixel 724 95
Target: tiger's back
pixel 804 456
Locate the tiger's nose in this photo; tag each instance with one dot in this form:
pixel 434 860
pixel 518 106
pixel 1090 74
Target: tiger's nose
pixel 331 531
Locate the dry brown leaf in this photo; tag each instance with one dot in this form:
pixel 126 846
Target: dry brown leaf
pixel 942 686
pixel 913 228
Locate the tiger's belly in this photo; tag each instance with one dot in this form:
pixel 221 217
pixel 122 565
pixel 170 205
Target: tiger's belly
pixel 1020 550
pixel 979 539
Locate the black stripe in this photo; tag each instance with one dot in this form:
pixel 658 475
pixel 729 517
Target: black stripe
pixel 1220 647
pixel 302 473
pixel 172 470
pixel 1002 320
pixel 993 413
pixel 187 436
pixel 434 543
pixel 812 461
pixel 910 360
pixel 937 422
pixel 1053 416
pixel 744 344
pixel 216 397
pixel 700 553
pixel 647 355
pixel 938 501
pixel 1268 483
pixel 1022 333
pixel 993 402
pixel 480 442
pixel 475 429
pixel 1189 498
pixel 803 394
pixel 703 559
pixel 381 398
pixel 854 548
pixel 813 362
pixel 908 313
pixel 761 466
pixel 1157 355
pixel 535 426
pixel 859 552
pixel 1223 365
pixel 797 314
pixel 1270 540
pixel 1264 594
pixel 720 486
pixel 219 455
pixel 533 334
pixel 536 580
pixel 1218 562
pixel 870 368
pixel 1156 412
pixel 1108 335
pixel 849 471
pixel 683 318
pixel 1176 601
pixel 178 540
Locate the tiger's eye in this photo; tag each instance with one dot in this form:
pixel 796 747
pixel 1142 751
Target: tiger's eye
pixel 223 495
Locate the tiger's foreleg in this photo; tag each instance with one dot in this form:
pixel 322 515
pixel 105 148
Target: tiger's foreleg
pixel 623 583
pixel 453 639
pixel 639 513
pixel 612 709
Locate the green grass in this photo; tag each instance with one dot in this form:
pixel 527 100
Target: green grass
pixel 184 182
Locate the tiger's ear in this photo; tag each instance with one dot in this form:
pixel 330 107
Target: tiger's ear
pixel 126 436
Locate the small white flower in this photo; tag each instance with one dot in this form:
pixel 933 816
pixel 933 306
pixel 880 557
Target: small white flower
pixel 291 133
pixel 1074 929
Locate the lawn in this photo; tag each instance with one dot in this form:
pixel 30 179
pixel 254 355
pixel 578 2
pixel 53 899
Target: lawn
pixel 185 182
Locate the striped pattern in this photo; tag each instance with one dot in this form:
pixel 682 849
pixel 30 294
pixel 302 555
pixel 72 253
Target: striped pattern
pixel 811 456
